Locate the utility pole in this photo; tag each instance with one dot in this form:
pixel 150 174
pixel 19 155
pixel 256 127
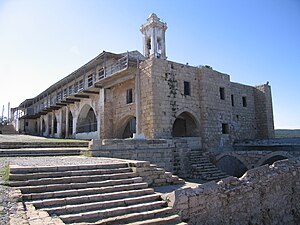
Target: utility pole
pixel 2 115
pixel 8 110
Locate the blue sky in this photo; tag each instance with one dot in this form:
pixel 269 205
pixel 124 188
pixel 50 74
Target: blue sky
pixel 42 41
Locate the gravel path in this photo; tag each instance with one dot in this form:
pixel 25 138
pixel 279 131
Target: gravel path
pixel 6 207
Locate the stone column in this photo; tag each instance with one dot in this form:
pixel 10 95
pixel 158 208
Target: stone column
pixel 137 102
pixel 52 124
pixel 101 113
pixel 67 122
pixel 59 127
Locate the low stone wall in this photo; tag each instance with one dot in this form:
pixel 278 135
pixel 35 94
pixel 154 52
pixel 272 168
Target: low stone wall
pixel 170 154
pixel 264 195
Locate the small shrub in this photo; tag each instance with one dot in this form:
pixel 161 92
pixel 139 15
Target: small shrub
pixel 5 173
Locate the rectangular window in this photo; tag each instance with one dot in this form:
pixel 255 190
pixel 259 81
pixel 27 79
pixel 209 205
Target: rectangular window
pixel 71 90
pixel 58 96
pixel 90 80
pixel 225 128
pixel 101 73
pixel 187 88
pixel 232 100
pixel 65 93
pixel 222 93
pixel 75 87
pixel 129 96
pixel 80 86
pixel 244 101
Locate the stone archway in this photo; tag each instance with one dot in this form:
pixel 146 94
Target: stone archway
pixel 54 125
pixel 185 125
pixel 273 157
pixel 49 124
pixel 87 120
pixel 130 128
pixel 70 123
pixel 43 126
pixel 231 165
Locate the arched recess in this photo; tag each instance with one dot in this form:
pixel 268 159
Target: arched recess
pixel 70 123
pixel 63 123
pixel 128 127
pixel 273 157
pixel 185 125
pixel 36 127
pixel 50 124
pixel 43 126
pixel 55 125
pixel 231 165
pixel 87 120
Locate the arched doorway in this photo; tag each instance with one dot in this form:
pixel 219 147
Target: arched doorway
pixel 130 128
pixel 70 123
pixel 273 159
pixel 43 126
pixel 87 121
pixel 185 125
pixel 63 123
pixel 231 165
pixel 55 125
pixel 50 124
pixel 36 127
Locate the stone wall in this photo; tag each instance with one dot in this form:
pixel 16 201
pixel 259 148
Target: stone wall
pixel 264 195
pixel 164 101
pixel 173 154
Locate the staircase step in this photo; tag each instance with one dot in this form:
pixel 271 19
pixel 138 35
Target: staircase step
pixel 57 187
pixel 132 217
pixel 32 169
pixel 22 177
pixel 74 179
pixel 95 215
pixel 72 209
pixel 172 219
pixel 86 191
pixel 90 198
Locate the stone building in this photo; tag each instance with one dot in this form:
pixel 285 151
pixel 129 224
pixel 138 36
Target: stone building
pixel 146 95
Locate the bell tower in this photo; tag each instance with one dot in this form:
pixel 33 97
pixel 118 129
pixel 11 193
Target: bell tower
pixel 154 37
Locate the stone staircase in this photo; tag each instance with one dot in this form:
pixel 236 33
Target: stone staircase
pixel 92 194
pixel 17 149
pixel 202 168
pixel 8 129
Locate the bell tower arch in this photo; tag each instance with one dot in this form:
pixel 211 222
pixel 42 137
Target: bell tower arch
pixel 154 37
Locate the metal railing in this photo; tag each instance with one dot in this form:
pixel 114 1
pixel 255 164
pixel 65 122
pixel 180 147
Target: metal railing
pixel 63 92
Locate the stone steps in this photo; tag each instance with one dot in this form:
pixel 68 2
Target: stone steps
pixel 22 177
pixel 202 168
pixel 57 187
pixel 46 144
pixel 102 204
pixel 132 216
pixel 92 194
pixel 84 191
pixel 53 202
pixel 8 129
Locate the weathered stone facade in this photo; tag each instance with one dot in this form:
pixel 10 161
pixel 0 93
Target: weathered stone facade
pixel 264 195
pixel 117 95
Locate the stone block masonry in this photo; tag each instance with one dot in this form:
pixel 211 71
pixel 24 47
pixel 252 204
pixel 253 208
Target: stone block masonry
pixel 264 195
pixel 171 154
